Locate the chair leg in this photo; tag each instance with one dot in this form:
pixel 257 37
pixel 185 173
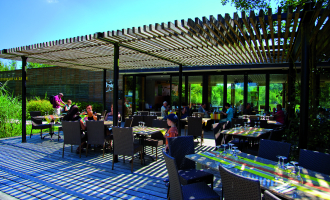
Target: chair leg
pixel 132 164
pixel 152 150
pixel 31 133
pixel 103 148
pixel 71 148
pixel 124 159
pixel 141 158
pixel 156 153
pixel 113 160
pixel 63 150
pixel 80 151
pixel 86 149
pixel 41 133
pixel 168 191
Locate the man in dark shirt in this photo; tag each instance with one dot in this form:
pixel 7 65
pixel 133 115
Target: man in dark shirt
pixel 247 110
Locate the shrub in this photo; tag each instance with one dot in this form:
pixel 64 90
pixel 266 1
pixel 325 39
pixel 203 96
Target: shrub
pixel 38 104
pixel 97 107
pixel 10 114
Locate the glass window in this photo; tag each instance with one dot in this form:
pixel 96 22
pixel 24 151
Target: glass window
pixel 324 90
pixel 195 91
pixel 215 91
pixel 257 91
pixel 129 87
pixel 139 93
pixel 277 85
pixel 235 91
pixel 175 90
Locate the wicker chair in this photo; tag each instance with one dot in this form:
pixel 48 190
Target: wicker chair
pixel 157 139
pixel 191 191
pixel 238 187
pixel 263 123
pixel 179 147
pixel 149 120
pixel 95 134
pixel 219 138
pixel 72 134
pixel 195 127
pixel 315 161
pixel 136 120
pixel 37 124
pixel 238 121
pixel 269 196
pixel 123 144
pixel 128 122
pixel 269 149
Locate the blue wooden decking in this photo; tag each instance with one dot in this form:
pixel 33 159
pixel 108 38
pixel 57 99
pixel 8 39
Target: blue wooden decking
pixel 36 170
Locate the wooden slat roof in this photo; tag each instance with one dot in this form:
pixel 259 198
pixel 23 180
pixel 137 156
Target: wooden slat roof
pixel 211 41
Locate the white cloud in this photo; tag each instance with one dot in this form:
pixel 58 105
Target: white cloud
pixel 52 1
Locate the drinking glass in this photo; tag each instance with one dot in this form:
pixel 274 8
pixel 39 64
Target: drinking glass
pixel 219 150
pixel 283 158
pixel 279 160
pixel 267 118
pixel 258 124
pixel 230 146
pixel 294 166
pixel 56 117
pixel 224 149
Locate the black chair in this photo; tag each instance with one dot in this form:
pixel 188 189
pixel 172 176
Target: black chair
pixel 156 139
pixel 179 147
pixel 269 149
pixel 218 137
pixel 263 123
pixel 195 127
pixel 315 161
pixel 191 191
pixel 136 120
pixel 72 134
pixel 123 144
pixel 238 187
pixel 128 122
pixel 37 123
pixel 277 134
pixel 149 120
pixel 269 196
pixel 238 121
pixel 96 134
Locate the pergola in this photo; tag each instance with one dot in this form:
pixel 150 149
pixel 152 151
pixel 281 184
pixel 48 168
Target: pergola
pixel 282 38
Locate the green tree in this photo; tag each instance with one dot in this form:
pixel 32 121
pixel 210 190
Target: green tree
pixel 37 65
pixel 8 67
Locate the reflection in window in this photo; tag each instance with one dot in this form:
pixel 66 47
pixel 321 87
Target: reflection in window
pixel 257 91
pixel 195 91
pixel 277 84
pixel 175 90
pixel 235 91
pixel 215 97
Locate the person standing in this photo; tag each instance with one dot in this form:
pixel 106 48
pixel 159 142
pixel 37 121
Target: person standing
pixel 57 103
pixel 165 108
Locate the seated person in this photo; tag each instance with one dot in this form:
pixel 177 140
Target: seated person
pixel 201 109
pixel 67 107
pixel 185 111
pixel 279 115
pixel 229 114
pixel 109 115
pixel 165 108
pixel 172 119
pixel 247 110
pixel 90 113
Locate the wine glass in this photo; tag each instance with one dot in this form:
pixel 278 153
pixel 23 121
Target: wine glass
pixel 294 166
pixel 258 124
pixel 234 152
pixel 219 150
pixel 279 160
pixel 230 146
pixel 224 149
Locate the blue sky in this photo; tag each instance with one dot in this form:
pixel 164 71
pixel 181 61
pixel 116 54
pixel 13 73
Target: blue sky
pixel 26 22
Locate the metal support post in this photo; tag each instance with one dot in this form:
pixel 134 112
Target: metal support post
pixel 115 84
pixel 24 59
pixel 104 88
pixel 180 98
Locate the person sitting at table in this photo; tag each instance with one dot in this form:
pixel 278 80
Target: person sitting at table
pixel 67 107
pixel 229 114
pixel 73 116
pixel 165 108
pixel 90 114
pixel 185 111
pixel 279 115
pixel 247 110
pixel 201 109
pixel 172 119
pixel 109 115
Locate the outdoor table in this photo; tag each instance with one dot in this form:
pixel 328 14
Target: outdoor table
pixel 51 118
pixel 109 123
pixel 143 132
pixel 204 120
pixel 311 185
pixel 254 117
pixel 248 132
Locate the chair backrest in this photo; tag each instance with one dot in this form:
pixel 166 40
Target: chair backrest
pixel 315 161
pixel 172 170
pixel 179 147
pixel 149 120
pixel 143 113
pixel 123 141
pixel 269 196
pixel 238 187
pixel 195 126
pixel 238 121
pixel 159 123
pixel 128 122
pixel 35 122
pixel 263 123
pixel 136 120
pixel 198 114
pixel 277 134
pixel 269 149
pixel 71 132
pixel 95 132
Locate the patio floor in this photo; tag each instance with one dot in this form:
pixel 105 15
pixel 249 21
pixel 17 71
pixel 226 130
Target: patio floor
pixel 36 170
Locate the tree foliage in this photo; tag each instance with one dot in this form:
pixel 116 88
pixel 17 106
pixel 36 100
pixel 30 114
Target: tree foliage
pixel 8 67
